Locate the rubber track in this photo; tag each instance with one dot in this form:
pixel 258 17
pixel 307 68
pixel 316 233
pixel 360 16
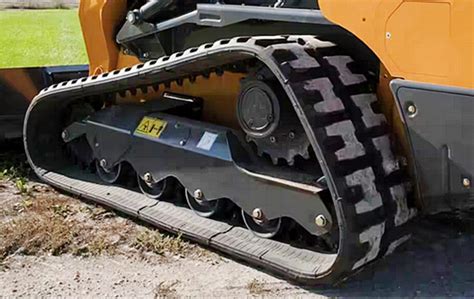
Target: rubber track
pixel 337 110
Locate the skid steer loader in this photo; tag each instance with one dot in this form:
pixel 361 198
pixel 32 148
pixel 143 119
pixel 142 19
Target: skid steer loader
pixel 299 136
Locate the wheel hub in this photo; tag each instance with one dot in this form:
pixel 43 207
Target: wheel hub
pixel 266 116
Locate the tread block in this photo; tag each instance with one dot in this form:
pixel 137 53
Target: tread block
pixel 346 130
pixel 371 197
pixel 89 186
pixel 372 236
pixel 370 118
pixel 389 163
pixel 190 224
pixel 404 213
pixel 330 103
pixel 346 76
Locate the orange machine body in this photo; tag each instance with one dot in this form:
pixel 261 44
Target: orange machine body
pixel 428 41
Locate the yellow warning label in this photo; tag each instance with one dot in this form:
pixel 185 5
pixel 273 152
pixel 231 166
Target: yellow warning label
pixel 152 127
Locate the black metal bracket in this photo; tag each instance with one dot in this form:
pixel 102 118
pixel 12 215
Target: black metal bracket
pixel 221 15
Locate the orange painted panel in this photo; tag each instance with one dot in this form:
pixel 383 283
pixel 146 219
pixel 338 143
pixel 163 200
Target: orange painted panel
pixel 422 40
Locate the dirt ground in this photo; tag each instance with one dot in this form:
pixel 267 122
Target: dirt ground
pixel 104 254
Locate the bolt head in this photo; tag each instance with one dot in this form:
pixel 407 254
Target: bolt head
pixel 148 177
pixel 182 142
pixel 257 214
pixel 103 163
pixel 411 109
pixel 198 194
pixel 273 139
pixel 146 55
pixel 131 17
pixel 96 144
pixel 65 135
pixel 321 221
pixel 466 182
pixel 291 135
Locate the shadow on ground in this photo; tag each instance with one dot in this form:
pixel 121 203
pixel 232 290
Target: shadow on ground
pixel 438 261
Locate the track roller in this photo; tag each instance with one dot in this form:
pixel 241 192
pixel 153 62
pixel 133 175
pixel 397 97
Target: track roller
pixel 108 175
pixel 156 190
pixel 260 226
pixel 203 207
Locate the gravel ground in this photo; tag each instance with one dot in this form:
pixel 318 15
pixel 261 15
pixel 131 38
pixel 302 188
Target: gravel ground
pixel 438 262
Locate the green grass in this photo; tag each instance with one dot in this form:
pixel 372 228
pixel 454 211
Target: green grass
pixel 40 37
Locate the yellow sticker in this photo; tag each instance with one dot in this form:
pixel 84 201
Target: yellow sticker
pixel 152 127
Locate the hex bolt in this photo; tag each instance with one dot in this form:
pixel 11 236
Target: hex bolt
pixel 273 139
pixel 146 55
pixel 148 177
pixel 412 110
pixel 132 17
pixel 291 135
pixel 321 221
pixel 257 214
pixel 466 182
pixel 198 194
pixel 103 163
pixel 65 135
pixel 182 142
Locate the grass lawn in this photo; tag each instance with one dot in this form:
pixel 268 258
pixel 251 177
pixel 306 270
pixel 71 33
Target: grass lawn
pixel 40 37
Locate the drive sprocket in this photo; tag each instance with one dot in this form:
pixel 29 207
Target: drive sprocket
pixel 269 121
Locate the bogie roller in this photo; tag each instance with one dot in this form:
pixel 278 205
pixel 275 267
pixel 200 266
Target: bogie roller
pixel 162 189
pixel 108 174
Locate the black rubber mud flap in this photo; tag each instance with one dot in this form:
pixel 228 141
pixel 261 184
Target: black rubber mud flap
pixel 338 112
